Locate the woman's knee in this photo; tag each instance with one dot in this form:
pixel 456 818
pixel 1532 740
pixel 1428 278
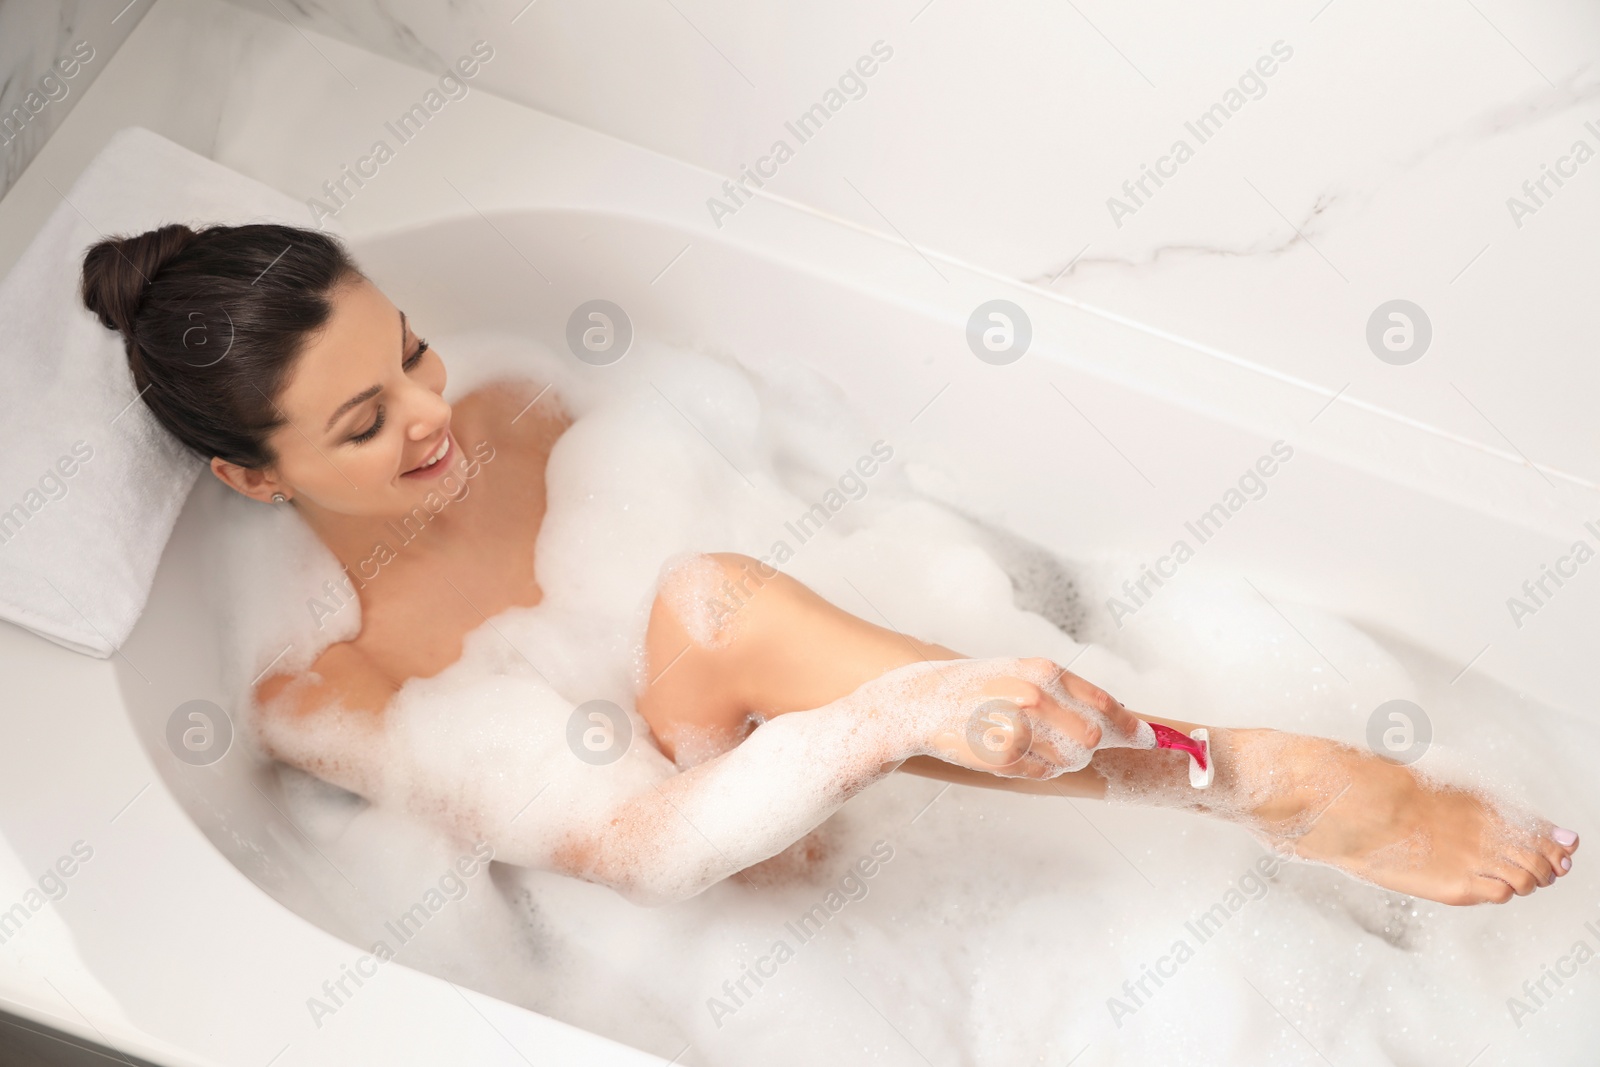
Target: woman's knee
pixel 713 596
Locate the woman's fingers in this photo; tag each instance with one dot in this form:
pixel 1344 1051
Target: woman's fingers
pixel 1009 734
pixel 1041 705
pixel 1031 718
pixel 1122 720
pixel 1062 681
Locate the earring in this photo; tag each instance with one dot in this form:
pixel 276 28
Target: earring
pixel 279 498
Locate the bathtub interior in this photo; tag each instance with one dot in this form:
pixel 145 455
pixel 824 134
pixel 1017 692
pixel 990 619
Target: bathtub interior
pixel 180 655
pixel 1003 444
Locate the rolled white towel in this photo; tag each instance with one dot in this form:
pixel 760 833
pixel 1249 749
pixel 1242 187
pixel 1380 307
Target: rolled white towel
pixel 91 484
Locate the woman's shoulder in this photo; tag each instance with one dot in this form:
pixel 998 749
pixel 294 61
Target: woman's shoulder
pixel 327 719
pixel 342 676
pixel 513 406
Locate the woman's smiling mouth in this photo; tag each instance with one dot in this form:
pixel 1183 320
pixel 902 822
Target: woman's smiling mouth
pixel 434 465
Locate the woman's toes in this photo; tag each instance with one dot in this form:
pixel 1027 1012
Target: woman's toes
pixel 1519 879
pixel 1536 864
pixel 1491 890
pixel 1555 856
pixel 1567 839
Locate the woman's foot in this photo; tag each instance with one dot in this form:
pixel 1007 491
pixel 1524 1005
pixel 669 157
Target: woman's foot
pixel 1377 820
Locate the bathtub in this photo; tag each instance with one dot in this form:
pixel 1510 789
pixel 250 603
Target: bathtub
pixel 198 928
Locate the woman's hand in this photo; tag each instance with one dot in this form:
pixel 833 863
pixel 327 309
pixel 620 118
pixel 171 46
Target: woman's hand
pixel 1026 718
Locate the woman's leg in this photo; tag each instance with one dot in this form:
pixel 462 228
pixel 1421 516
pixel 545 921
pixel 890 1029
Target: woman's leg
pixel 761 644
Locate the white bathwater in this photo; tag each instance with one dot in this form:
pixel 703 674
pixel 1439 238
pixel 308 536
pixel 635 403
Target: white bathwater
pixel 923 923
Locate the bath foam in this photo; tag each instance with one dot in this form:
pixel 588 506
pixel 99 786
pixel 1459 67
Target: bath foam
pixel 1040 581
pixel 974 939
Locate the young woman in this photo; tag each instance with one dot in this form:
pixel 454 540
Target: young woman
pixel 329 403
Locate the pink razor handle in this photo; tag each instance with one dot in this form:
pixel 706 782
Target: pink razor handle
pixel 1197 745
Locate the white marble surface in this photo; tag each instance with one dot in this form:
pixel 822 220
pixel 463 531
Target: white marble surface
pixel 1391 177
pixel 1375 165
pixel 50 53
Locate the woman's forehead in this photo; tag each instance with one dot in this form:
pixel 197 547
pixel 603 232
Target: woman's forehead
pixel 361 337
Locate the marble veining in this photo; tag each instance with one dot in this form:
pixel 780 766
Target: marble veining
pixel 35 94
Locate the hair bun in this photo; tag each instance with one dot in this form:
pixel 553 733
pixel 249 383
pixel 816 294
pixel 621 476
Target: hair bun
pixel 117 270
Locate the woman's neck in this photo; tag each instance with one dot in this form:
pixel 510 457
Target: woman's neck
pixel 366 544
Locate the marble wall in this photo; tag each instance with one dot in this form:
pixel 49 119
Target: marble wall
pixel 50 52
pixel 1260 179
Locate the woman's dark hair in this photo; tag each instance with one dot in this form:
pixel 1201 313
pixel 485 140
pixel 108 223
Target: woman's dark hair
pixel 212 320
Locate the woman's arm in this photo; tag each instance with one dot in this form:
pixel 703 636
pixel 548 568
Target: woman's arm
pixel 687 831
pixel 670 836
pixel 489 761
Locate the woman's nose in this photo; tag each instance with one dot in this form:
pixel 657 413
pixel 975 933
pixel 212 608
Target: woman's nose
pixel 432 415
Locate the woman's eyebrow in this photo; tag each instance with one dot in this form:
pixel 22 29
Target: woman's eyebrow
pixel 360 398
pixel 369 392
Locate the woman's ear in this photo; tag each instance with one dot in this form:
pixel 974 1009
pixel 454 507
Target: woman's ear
pixel 255 484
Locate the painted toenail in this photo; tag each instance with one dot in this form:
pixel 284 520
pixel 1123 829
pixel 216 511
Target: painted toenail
pixel 1564 836
pixel 1566 863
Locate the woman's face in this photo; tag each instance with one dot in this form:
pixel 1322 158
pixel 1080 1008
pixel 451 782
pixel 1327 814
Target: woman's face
pixel 365 413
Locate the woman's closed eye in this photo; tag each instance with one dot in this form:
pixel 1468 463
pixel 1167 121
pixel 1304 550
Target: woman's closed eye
pixel 372 431
pixel 410 363
pixel 416 357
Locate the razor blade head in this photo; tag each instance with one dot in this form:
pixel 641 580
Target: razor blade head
pixel 1198 747
pixel 1202 777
